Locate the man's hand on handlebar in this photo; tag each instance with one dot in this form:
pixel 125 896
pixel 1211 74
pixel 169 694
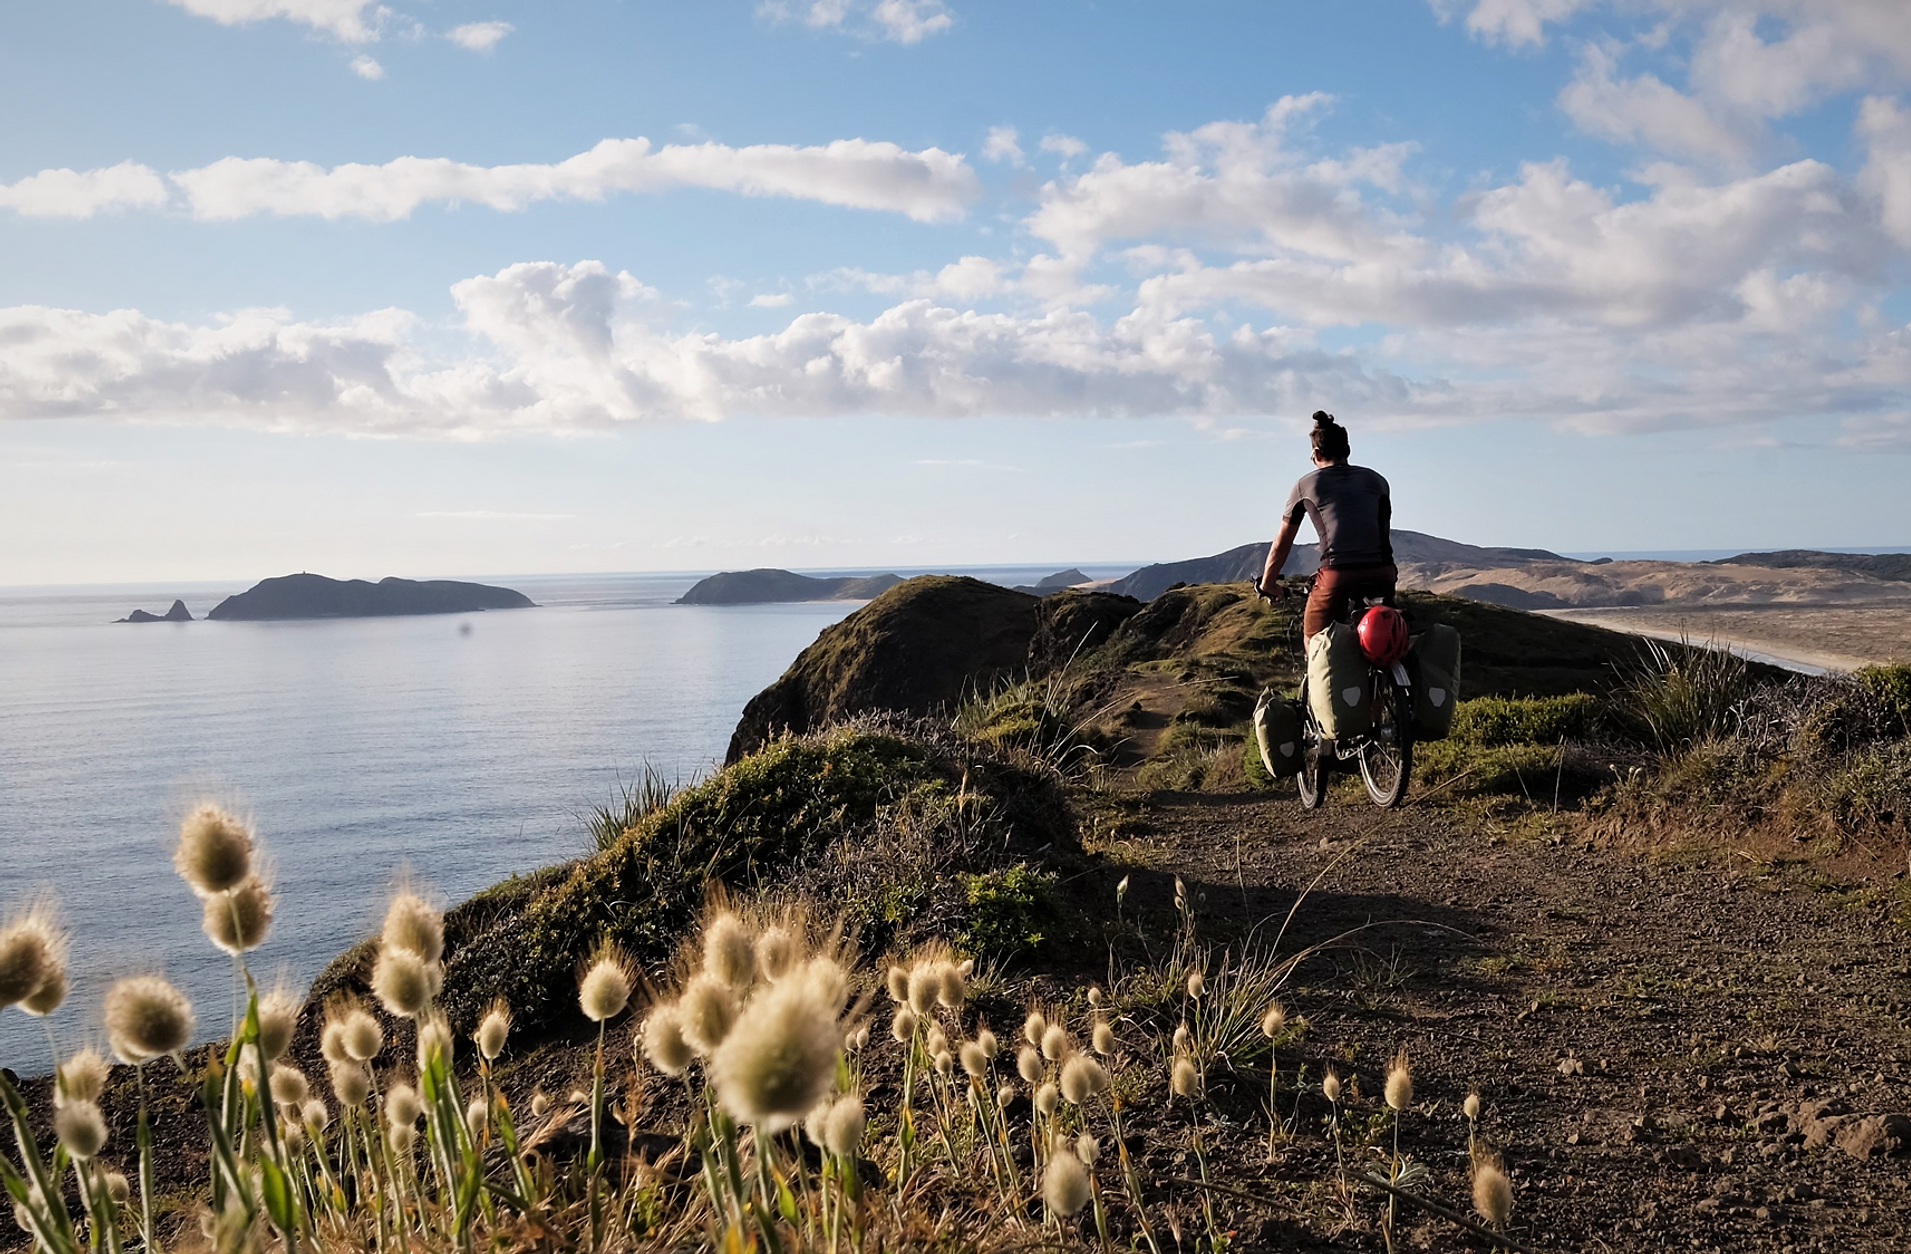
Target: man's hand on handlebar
pixel 1275 592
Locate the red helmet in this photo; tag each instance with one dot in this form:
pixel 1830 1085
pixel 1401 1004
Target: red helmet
pixel 1383 635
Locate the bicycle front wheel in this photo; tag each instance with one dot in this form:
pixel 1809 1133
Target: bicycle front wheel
pixel 1386 760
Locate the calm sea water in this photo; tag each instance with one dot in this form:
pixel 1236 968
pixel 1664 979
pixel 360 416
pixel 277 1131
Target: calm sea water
pixel 457 749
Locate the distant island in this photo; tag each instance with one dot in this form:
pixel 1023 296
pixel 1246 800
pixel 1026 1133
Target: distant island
pixel 177 614
pixel 764 586
pixel 315 596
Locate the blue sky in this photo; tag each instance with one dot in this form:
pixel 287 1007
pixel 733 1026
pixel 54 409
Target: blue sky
pixel 448 287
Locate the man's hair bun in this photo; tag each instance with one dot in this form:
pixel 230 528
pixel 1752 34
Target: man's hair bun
pixel 1329 438
pixel 1323 419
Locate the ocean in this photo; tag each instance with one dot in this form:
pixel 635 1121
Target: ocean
pixel 451 750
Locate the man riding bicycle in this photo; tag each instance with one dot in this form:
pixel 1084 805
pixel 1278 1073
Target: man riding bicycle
pixel 1352 512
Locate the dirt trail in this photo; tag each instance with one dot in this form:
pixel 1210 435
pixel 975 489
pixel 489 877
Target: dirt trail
pixel 1644 1030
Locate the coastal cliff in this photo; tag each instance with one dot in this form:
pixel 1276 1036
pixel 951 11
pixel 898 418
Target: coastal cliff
pixel 767 585
pixel 315 596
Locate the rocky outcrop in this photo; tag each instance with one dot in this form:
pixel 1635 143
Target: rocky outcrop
pixel 1049 584
pixel 766 586
pixel 177 614
pixel 918 647
pixel 1072 623
pixel 315 596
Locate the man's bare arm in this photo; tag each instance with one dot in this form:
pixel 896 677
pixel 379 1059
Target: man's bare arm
pixel 1277 554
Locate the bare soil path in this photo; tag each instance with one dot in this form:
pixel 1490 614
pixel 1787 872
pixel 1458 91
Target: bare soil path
pixel 1674 1052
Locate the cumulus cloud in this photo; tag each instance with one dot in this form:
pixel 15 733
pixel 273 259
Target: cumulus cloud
pixel 479 36
pixel 1001 145
pixel 354 21
pixel 1885 126
pixel 366 67
pixel 1645 110
pixel 83 193
pixel 1239 184
pixel 929 186
pixel 769 300
pixel 901 21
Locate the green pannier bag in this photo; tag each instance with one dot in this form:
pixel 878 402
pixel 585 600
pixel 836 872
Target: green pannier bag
pixel 1277 730
pixel 1433 668
pixel 1337 678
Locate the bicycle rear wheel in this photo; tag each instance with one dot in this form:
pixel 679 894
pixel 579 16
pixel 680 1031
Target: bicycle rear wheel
pixel 1386 760
pixel 1313 778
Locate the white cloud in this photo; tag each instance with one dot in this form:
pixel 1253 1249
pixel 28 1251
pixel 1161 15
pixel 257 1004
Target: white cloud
pixel 479 36
pixel 83 193
pixel 901 21
pixel 354 21
pixel 1514 22
pixel 365 67
pixel 1002 146
pixel 1646 110
pixel 1065 146
pixel 969 278
pixel 1236 184
pixel 770 300
pixel 910 21
pixel 930 185
pixel 1885 127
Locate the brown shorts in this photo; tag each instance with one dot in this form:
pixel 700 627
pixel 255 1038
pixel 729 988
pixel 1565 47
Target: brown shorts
pixel 1335 590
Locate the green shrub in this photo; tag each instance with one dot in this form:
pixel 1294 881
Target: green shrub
pixel 1252 766
pixel 1891 686
pixel 1497 721
pixel 1873 788
pixel 1007 909
pixel 1482 770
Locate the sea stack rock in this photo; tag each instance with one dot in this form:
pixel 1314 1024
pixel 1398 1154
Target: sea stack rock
pixel 177 614
pixel 315 596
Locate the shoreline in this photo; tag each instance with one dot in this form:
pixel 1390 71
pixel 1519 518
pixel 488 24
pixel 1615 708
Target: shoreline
pixel 1751 647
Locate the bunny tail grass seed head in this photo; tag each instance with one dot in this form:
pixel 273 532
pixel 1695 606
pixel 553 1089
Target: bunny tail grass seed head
pixel 32 951
pixel 412 925
pixel 332 1042
pixel 1083 1078
pixel 278 1018
pixel 1330 1086
pixel 289 1086
pixel 902 1028
pixel 1047 1098
pixel 434 1041
pixel 729 951
pixel 493 1030
pixel 402 1106
pixel 989 1045
pixel 897 982
pixel 351 1083
pixel 1471 1106
pixel 1065 1184
pixel 81 1078
pixel 316 1115
pixel 1005 1095
pixel 780 1059
pixel 1033 1027
pixel 1197 984
pixel 401 980
pixel 777 952
pixel 934 1042
pixel 1057 1044
pixel 1102 1039
pixel 945 1064
pixel 1028 1064
pixel 1399 1089
pixel 238 919
pixel 1182 1039
pixel 50 996
pixel 1094 996
pixel 605 989
pixel 477 1117
pixel 119 1188
pixel 1492 1191
pixel 1087 1148
pixel 1185 1079
pixel 975 1063
pixel 147 1017
pixel 81 1128
pixel 952 986
pixel 843 1131
pixel 663 1041
pixel 1274 1022
pixel 214 854
pixel 360 1034
pixel 925 985
pixel 709 1010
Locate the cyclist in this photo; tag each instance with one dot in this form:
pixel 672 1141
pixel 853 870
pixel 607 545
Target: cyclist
pixel 1352 513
